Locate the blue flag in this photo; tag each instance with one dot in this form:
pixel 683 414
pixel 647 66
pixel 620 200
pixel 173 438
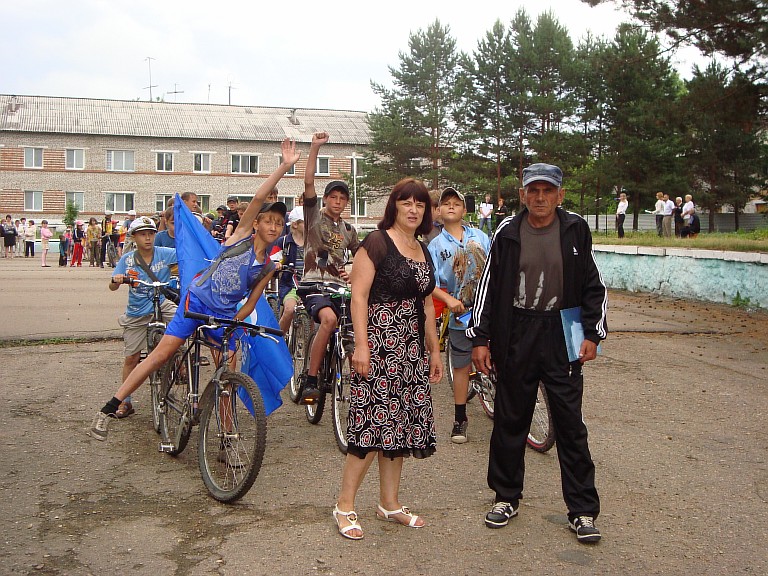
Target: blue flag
pixel 267 360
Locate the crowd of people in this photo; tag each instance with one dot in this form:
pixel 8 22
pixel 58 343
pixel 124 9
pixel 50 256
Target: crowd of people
pixel 422 254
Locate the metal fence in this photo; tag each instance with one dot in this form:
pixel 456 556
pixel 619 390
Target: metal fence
pixel 724 222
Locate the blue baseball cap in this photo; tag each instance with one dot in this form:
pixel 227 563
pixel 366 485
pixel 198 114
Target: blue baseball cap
pixel 545 172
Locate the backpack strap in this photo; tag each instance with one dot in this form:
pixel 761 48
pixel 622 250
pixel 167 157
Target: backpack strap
pixel 143 265
pixel 237 249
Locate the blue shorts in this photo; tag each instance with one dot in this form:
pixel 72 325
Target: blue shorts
pixel 182 327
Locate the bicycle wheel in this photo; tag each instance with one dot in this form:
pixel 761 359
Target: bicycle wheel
pixel 298 341
pixel 314 412
pixel 485 386
pixel 341 395
pixel 175 413
pixel 542 434
pixel 233 436
pixel 111 254
pixel 154 334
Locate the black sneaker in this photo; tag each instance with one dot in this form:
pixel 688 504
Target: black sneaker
pixel 500 514
pixel 459 432
pixel 585 529
pixel 309 394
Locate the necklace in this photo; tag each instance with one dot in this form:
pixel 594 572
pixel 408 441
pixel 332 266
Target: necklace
pixel 409 241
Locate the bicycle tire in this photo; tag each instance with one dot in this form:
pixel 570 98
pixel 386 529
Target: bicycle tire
pixel 231 460
pixel 541 436
pixel 298 344
pixel 175 412
pixel 111 254
pixel 487 393
pixel 314 412
pixel 341 397
pixel 154 334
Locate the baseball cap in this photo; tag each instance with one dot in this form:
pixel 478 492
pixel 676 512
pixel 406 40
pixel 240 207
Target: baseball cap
pixel 545 172
pixel 449 191
pixel 278 207
pixel 142 223
pixel 232 199
pixel 221 207
pixel 108 212
pixel 336 185
pixel 296 214
pixel 131 212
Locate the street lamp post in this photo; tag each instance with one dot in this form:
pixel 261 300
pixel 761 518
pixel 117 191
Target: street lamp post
pixel 354 186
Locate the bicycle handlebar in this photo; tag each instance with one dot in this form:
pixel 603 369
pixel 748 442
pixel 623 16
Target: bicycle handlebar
pixel 133 281
pixel 251 328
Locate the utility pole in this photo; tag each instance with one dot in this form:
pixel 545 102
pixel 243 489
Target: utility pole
pixel 229 98
pixel 149 63
pixel 175 91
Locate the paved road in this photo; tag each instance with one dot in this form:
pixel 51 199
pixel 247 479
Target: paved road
pixel 676 407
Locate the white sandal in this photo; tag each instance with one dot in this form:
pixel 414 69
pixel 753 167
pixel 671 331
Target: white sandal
pixel 351 517
pixel 388 516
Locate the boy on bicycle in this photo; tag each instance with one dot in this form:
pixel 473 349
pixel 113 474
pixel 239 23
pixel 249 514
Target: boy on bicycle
pixel 138 314
pixel 242 269
pixel 458 254
pixel 328 238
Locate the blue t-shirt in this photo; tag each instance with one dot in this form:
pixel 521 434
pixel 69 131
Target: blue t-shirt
pixel 459 265
pixel 140 297
pixel 162 238
pixel 230 282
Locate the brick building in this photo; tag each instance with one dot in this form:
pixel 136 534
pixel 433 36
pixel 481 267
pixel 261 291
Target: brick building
pixel 122 155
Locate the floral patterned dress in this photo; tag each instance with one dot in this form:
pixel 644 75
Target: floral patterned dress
pixel 391 409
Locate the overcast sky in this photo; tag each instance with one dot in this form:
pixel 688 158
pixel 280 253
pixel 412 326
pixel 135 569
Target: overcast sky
pixel 272 53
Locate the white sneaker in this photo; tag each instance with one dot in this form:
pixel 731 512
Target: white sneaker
pixel 99 426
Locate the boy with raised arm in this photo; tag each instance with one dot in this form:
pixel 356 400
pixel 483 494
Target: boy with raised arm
pixel 328 238
pixel 241 269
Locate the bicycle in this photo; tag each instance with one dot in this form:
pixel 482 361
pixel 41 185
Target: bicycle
pixel 299 333
pixel 335 373
pixel 445 346
pixel 229 412
pixel 155 331
pixel 110 250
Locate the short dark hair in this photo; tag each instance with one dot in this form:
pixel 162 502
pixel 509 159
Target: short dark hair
pixel 403 190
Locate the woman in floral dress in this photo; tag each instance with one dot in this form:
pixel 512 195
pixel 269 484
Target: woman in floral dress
pixel 390 412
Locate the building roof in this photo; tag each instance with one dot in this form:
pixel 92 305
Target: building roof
pixel 57 115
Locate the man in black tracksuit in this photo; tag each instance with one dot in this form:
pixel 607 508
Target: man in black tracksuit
pixel 540 263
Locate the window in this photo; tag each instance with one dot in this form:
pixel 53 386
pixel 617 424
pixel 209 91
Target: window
pixel 118 201
pixel 75 158
pixel 33 157
pixel 202 162
pixel 288 201
pixel 291 171
pixel 78 198
pixel 161 201
pixel 323 166
pixel 165 161
pixel 33 201
pixel 361 209
pixel 245 164
pixel 120 160
pixel 204 201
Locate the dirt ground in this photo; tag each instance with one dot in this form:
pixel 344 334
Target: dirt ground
pixel 675 404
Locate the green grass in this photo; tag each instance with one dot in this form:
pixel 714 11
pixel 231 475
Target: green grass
pixel 754 241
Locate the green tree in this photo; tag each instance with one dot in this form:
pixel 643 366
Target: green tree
pixel 70 215
pixel 415 130
pixel 737 29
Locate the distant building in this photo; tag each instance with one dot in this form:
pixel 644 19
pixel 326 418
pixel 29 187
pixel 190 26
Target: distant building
pixel 122 155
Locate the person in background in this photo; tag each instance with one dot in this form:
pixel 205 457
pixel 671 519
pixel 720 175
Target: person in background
pixel 486 211
pixel 219 225
pixel 292 246
pixel 458 255
pixel 501 212
pixel 9 237
pixel 235 222
pixel 192 202
pixel 78 240
pixel 30 233
pixel 395 360
pixel 621 214
pixel 92 235
pixel 123 232
pixel 658 211
pixel 677 214
pixel 45 237
pixel 666 221
pixel 20 246
pixel 437 224
pixel 541 262
pixel 65 240
pixel 167 237
pixel 107 231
